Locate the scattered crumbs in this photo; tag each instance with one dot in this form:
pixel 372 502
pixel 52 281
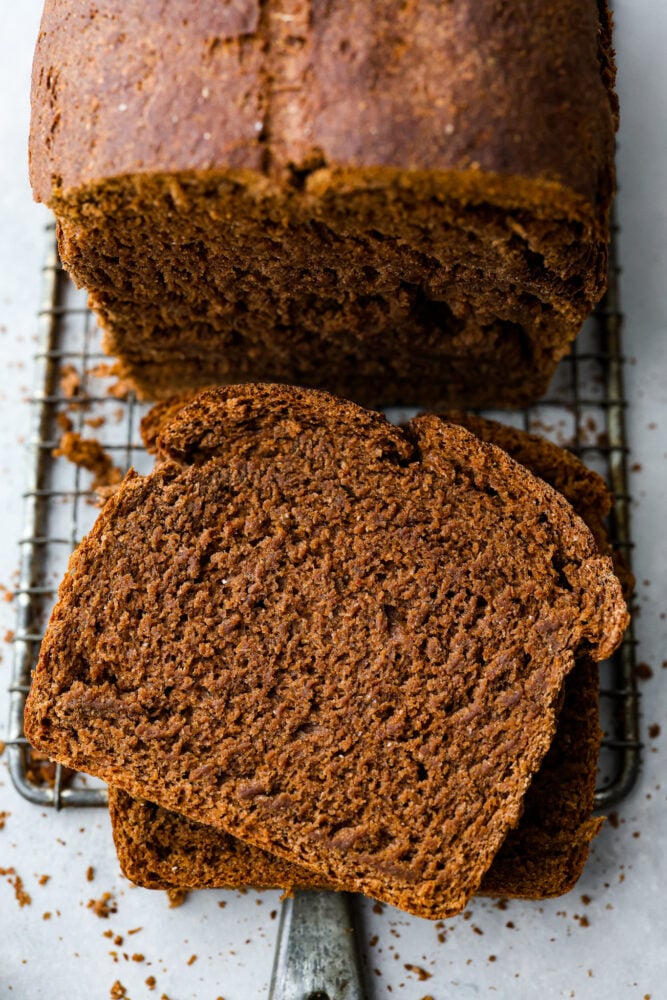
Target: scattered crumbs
pixel 3 813
pixel 420 973
pixel 117 991
pixel 492 958
pixel 103 906
pixel 501 904
pixel 192 960
pixel 583 920
pixel 590 973
pixel 108 933
pixel 2 750
pixel 223 903
pixel 138 957
pixel 510 924
pixel 22 897
pixel 378 907
pixel 9 635
pixel 586 900
pixel 273 914
pixel 94 422
pixel 654 730
pixel 43 879
pixel 90 873
pixel 163 996
pixel 135 930
pixel 636 834
pixel 47 915
pixel 176 897
pixel 259 901
pixel 467 915
pixel 643 671
pixel 151 982
pixel 612 819
pixel 373 941
pixel 636 467
pixel 377 972
pixel 477 930
pixel 118 940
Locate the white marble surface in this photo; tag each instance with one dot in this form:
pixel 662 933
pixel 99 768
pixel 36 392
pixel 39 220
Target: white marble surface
pixel 547 952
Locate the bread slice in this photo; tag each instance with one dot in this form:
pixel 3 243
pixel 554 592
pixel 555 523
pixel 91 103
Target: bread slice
pixel 401 204
pixel 340 641
pixel 542 857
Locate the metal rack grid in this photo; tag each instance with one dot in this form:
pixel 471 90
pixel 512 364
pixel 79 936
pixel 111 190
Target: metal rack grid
pixel 584 410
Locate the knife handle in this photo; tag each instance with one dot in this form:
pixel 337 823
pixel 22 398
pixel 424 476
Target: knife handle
pixel 316 953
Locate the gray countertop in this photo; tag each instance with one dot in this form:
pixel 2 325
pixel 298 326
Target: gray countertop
pixel 606 939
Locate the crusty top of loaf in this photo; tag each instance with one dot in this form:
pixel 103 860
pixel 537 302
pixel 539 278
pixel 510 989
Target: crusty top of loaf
pixel 517 89
pixel 333 639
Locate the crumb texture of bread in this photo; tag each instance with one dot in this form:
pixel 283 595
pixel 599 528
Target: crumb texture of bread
pixel 399 203
pixel 542 857
pixel 341 641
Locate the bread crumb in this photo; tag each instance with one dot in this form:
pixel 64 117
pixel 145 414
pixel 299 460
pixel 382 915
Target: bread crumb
pixel 3 813
pixel 70 382
pixel 138 957
pixel 89 454
pixel 150 982
pixel 654 730
pixel 104 906
pixel 176 897
pixel 118 991
pixel 64 422
pixel 420 973
pixel 192 960
pixel 90 873
pixel 23 898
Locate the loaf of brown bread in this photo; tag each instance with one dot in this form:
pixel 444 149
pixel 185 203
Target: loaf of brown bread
pixel 340 641
pixel 542 857
pixel 398 202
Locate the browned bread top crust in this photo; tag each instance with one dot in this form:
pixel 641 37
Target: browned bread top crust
pixel 339 641
pixel 514 89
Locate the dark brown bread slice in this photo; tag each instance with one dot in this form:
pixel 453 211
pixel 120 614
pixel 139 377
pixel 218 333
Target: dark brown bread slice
pixel 339 641
pixel 401 203
pixel 543 857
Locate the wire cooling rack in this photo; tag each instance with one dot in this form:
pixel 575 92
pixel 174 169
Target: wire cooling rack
pixel 584 411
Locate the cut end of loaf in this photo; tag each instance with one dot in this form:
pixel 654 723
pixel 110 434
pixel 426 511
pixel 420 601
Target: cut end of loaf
pixel 389 289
